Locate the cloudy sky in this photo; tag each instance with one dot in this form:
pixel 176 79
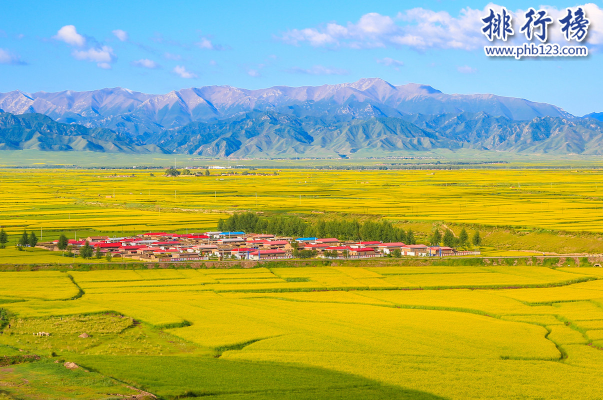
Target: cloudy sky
pixel 156 47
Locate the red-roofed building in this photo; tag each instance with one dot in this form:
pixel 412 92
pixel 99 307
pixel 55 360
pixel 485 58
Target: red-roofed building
pixel 316 246
pixel 96 239
pixel 388 248
pixel 257 241
pixel 372 245
pixel 276 244
pixel 242 252
pixel 338 248
pixel 170 243
pixel 341 251
pixel 362 252
pixel 155 235
pixel 328 240
pixel 107 245
pixel 268 254
pixel 415 250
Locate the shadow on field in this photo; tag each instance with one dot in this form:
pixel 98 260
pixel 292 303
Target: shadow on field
pixel 182 377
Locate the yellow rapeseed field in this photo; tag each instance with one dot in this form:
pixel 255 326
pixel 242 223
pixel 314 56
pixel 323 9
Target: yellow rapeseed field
pixel 82 201
pixel 479 342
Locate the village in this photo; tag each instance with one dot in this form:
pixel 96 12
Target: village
pixel 172 247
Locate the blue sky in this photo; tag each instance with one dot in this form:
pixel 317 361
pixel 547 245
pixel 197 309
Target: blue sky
pixel 156 47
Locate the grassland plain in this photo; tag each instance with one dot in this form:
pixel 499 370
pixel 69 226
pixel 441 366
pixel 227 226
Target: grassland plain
pixel 518 332
pixel 530 209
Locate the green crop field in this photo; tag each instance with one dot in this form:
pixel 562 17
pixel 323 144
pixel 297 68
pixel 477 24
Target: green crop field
pixel 335 332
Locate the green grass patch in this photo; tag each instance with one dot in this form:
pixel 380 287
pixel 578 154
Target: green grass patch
pixel 185 377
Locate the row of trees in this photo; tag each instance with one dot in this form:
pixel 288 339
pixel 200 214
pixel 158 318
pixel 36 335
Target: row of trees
pixel 294 226
pixel 175 172
pixel 343 229
pixel 24 241
pixel 449 240
pixel 27 240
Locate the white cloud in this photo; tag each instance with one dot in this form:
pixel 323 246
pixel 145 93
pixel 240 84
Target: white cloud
pixel 69 35
pixel 103 54
pixel 87 48
pixel 319 70
pixel 6 57
pixel 183 73
pixel 390 62
pixel 254 73
pixel 175 57
pixel 418 28
pixel 206 44
pixel 120 34
pixel 465 69
pixel 145 63
pixel 423 29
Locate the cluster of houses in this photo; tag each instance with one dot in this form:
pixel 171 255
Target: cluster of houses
pixel 167 247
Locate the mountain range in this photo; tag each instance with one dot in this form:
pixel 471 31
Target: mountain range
pixel 367 117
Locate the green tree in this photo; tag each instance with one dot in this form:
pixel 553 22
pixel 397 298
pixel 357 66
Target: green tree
pixel 207 172
pixel 63 242
pixel 449 239
pixel 97 253
pixel 398 253
pixel 86 250
pixel 109 257
pixel 410 237
pixel 436 238
pixel 172 172
pixel 186 172
pixel 33 239
pixel 24 239
pixel 3 239
pixel 463 238
pixel 477 239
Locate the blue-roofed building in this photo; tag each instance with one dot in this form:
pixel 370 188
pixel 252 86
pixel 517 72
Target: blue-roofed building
pixel 232 234
pixel 308 239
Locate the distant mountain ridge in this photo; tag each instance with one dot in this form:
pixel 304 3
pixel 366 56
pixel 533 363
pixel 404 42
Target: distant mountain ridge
pixel 261 134
pixel 369 117
pixel 136 113
pixel 39 132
